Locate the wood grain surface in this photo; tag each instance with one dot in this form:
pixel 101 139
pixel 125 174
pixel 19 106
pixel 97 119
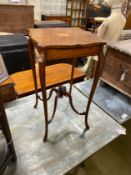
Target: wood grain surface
pixel 63 37
pixel 16 18
pixel 56 74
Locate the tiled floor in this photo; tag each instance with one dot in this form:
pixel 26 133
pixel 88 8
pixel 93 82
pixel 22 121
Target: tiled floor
pixel 36 158
pixel 113 159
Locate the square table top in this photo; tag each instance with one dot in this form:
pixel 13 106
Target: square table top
pixel 63 37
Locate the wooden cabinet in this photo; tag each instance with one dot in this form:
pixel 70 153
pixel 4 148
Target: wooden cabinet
pixel 76 13
pixel 16 18
pixel 77 9
pixel 128 21
pixel 117 70
pixel 96 15
pixel 83 13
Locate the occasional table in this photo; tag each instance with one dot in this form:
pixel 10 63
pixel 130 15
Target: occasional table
pixel 59 43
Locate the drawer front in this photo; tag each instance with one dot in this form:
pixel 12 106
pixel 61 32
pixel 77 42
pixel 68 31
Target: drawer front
pixel 117 71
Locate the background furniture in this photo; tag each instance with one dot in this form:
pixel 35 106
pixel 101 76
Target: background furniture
pixel 77 12
pixel 16 18
pixel 83 13
pixel 14 49
pixel 117 67
pixel 10 155
pixel 128 20
pixel 7 90
pixel 66 18
pixel 95 14
pixel 77 9
pixel 51 23
pixel 80 13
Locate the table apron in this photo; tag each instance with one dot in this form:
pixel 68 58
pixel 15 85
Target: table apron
pixel 53 54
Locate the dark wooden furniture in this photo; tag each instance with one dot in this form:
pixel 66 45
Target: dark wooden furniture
pixel 14 49
pixel 126 7
pixel 7 90
pixel 54 77
pixel 78 10
pixel 95 11
pixel 128 21
pixel 66 18
pixel 117 67
pixel 16 18
pixel 76 13
pixel 69 43
pixel 51 23
pixel 83 13
pixel 10 155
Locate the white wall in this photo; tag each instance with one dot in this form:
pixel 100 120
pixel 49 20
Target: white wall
pixel 8 1
pixel 53 6
pixel 37 8
pixel 4 1
pixel 45 6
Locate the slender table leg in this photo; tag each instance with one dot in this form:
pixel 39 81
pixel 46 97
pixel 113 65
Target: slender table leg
pixel 95 81
pixel 32 61
pixel 42 75
pixel 54 110
pixel 72 73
